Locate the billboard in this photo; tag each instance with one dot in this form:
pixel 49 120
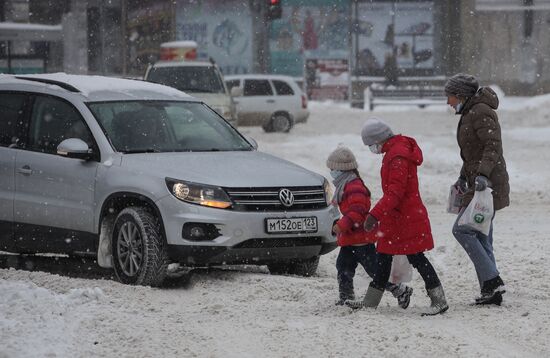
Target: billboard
pixel 327 79
pixel 222 31
pixel 400 33
pixel 308 29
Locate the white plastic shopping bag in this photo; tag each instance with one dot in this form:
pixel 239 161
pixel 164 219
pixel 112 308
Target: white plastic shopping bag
pixel 479 213
pixel 401 269
pixel 455 200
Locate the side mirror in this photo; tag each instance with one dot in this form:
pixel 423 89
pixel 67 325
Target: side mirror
pixel 74 148
pixel 236 91
pixel 252 142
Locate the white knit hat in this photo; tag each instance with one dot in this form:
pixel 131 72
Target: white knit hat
pixel 341 158
pixel 375 131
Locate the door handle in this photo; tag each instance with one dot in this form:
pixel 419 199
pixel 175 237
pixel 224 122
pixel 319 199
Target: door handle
pixel 25 170
pixel 270 100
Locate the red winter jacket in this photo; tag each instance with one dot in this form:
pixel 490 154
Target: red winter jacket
pixel 404 227
pixel 354 207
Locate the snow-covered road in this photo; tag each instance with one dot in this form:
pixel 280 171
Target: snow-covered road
pixel 246 312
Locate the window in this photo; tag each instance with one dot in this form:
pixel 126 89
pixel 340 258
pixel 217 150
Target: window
pixel 53 121
pixel 257 88
pixel 193 79
pixel 164 126
pixel 232 83
pixel 282 88
pixel 11 107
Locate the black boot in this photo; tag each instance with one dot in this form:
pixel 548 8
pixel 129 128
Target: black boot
pixel 402 292
pixel 491 292
pixel 343 298
pixel 347 293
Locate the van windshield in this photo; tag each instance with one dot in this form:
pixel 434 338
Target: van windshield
pixel 192 79
pixel 165 126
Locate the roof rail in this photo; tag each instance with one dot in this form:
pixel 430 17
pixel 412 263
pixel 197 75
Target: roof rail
pixel 63 85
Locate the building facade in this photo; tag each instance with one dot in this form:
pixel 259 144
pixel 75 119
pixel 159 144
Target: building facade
pixel 503 42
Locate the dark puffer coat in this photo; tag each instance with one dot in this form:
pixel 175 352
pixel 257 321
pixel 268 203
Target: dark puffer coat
pixel 479 139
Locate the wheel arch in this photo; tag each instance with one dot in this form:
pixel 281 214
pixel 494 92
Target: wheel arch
pixel 284 113
pixel 110 208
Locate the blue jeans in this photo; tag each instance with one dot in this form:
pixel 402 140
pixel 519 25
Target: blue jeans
pixel 480 249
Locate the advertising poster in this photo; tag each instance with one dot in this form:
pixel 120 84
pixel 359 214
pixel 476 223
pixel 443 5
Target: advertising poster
pixel 222 31
pixel 308 29
pixel 390 33
pixel 327 79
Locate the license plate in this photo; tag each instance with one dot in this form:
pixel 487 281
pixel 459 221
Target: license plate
pixel 291 225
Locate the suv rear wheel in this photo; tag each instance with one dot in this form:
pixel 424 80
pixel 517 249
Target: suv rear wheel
pixel 138 247
pixel 297 267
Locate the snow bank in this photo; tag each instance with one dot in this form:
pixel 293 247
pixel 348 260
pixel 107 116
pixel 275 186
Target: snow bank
pixel 36 322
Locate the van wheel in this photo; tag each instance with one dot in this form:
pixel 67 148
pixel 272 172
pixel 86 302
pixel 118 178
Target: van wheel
pixel 297 267
pixel 139 248
pixel 280 122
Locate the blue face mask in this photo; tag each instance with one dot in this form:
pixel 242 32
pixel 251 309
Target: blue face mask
pixel 459 107
pixel 335 173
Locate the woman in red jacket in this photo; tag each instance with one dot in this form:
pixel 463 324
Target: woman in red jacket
pixel 356 246
pixel 399 220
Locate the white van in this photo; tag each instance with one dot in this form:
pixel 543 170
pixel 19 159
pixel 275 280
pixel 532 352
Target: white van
pixel 201 79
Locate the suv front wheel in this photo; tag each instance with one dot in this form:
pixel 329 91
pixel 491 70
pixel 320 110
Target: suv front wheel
pixel 296 267
pixel 138 247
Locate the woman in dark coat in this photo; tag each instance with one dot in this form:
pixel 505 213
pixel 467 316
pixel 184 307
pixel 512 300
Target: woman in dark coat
pixel 399 219
pixel 479 139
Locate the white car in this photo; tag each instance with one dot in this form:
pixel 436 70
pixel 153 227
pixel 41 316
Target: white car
pixel 275 102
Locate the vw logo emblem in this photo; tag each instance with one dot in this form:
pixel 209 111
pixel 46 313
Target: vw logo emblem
pixel 286 197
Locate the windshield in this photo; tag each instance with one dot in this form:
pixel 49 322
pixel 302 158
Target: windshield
pixel 193 79
pixel 165 126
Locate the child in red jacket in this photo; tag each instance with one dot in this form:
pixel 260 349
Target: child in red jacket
pixel 356 246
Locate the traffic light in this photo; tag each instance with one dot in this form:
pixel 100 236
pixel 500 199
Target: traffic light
pixel 274 9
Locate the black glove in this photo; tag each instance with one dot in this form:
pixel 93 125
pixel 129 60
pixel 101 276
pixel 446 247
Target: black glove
pixel 481 183
pixel 370 223
pixel 461 185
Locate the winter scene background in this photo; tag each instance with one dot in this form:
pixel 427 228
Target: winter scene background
pixel 246 312
pixel 57 306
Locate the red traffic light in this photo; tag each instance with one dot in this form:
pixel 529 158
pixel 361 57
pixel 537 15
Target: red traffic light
pixel 274 9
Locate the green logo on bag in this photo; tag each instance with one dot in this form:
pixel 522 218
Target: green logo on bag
pixel 479 218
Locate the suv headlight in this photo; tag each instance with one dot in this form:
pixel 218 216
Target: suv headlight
pixel 328 191
pixel 200 194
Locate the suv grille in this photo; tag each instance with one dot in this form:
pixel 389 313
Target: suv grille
pixel 279 242
pixel 267 199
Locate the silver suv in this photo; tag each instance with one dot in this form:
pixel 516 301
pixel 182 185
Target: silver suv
pixel 143 175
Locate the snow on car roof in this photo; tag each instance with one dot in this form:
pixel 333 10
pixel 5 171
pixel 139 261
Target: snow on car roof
pixel 182 63
pixel 258 76
pixel 101 88
pixel 186 43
